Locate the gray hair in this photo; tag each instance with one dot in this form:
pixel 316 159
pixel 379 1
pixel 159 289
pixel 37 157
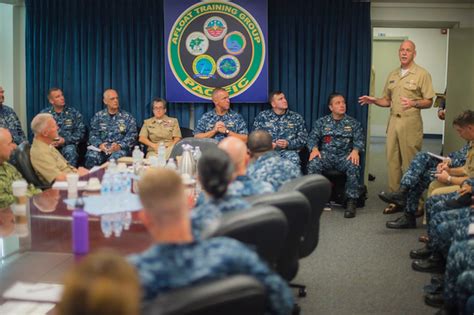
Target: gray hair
pixel 39 123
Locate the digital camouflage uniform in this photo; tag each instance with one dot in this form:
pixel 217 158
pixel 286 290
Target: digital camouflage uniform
pixel 459 275
pixel 335 139
pixel 419 175
pixel 164 267
pixel 71 128
pixel 10 121
pixel 273 169
pixel 232 120
pixel 9 174
pixel 206 214
pixel 120 128
pixel 244 186
pixel 290 127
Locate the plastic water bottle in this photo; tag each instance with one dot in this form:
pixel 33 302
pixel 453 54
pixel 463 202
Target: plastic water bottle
pixel 106 186
pixel 127 220
pixel 171 165
pixel 106 225
pixel 112 168
pixel 137 158
pixel 197 154
pixel 117 224
pixel 161 153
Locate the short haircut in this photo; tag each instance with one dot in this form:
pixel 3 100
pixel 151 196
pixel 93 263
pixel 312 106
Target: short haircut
pixel 260 141
pixel 217 90
pixel 464 119
pixel 215 171
pixel 161 192
pixel 158 100
pixel 272 95
pixel 40 122
pixel 51 90
pixel 108 90
pixel 102 283
pixel 333 95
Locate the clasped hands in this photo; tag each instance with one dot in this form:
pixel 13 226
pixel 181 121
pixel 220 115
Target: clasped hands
pixel 220 127
pixel 108 148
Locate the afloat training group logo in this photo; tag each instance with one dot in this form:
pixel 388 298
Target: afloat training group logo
pixel 216 44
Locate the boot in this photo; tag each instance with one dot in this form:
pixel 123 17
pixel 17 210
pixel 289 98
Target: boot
pixel 397 197
pixel 351 209
pixel 406 221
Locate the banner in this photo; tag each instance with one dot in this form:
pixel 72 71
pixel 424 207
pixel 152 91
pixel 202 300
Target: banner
pixel 216 44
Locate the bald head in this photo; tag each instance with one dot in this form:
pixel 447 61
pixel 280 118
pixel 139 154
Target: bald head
pixel 111 100
pixel 7 146
pixel 237 151
pixel 410 43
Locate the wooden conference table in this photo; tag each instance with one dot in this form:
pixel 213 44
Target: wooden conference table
pixel 37 248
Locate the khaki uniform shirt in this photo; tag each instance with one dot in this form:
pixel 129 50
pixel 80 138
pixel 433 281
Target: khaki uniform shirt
pixel 157 130
pixel 469 166
pixel 48 162
pixel 416 84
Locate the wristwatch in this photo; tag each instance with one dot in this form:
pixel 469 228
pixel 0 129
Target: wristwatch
pixel 227 131
pixel 416 104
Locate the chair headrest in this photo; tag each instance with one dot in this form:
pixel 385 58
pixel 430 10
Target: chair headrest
pixel 223 296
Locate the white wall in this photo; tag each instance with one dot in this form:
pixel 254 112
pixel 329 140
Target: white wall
pixel 12 57
pixel 462 13
pixel 431 47
pixel 6 52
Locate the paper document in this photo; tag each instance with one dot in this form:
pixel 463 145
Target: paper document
pixel 94 169
pixel 26 308
pixel 439 157
pixel 110 203
pixel 43 292
pixel 63 185
pixel 93 148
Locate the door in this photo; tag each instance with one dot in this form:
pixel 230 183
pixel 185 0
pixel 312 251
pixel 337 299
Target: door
pixel 460 86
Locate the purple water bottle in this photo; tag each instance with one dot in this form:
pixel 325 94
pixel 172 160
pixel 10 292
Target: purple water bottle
pixel 80 229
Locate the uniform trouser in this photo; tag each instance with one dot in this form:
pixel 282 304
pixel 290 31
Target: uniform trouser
pixel 404 139
pixel 438 188
pixel 447 226
pixel 291 155
pixel 94 158
pixel 69 152
pixel 437 203
pixel 341 164
pixel 417 178
pixel 459 275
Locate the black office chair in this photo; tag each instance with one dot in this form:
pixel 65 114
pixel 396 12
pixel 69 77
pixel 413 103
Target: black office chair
pixel 296 209
pixel 316 189
pixel 203 144
pixel 23 164
pixel 234 295
pixel 262 227
pixel 186 132
pixel 338 185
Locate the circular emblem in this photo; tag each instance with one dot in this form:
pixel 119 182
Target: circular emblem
pixel 197 43
pixel 234 43
pixel 204 67
pixel 215 28
pixel 228 66
pixel 230 31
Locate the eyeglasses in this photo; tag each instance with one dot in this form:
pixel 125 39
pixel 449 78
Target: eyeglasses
pixel 158 108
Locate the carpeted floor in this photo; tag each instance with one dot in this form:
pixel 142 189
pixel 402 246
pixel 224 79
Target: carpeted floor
pixel 361 267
